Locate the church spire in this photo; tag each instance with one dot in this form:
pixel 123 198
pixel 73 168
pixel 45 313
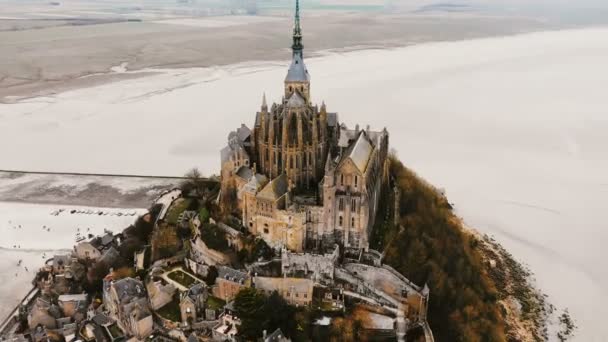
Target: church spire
pixel 297 46
pixel 264 104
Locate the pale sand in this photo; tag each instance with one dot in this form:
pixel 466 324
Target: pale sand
pixel 55 57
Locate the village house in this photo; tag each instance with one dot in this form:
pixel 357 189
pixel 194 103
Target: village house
pixel 192 304
pixel 229 282
pixel 126 302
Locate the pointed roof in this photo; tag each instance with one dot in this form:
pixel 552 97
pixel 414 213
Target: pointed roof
pixel 296 100
pixel 297 70
pixel 361 151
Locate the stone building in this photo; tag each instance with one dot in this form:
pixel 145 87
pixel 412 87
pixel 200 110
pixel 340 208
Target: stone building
pixel 192 304
pixel 229 282
pixel 126 302
pixel 295 291
pixel 301 179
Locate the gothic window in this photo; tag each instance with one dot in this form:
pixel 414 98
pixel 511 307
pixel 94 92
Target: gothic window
pixel 352 222
pixel 341 204
pixel 340 221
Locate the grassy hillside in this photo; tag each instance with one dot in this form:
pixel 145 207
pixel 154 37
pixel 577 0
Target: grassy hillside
pixel 428 245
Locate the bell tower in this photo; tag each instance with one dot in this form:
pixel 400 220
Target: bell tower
pixel 297 79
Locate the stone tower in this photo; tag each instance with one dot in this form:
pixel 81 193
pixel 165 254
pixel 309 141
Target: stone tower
pixel 297 77
pixel 292 137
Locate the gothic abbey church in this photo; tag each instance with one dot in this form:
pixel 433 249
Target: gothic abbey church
pixel 300 179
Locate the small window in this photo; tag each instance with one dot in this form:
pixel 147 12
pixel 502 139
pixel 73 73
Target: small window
pixel 353 204
pixel 340 221
pixel 306 295
pixel 352 222
pixel 356 181
pixel 341 204
pixel 297 295
pixel 341 179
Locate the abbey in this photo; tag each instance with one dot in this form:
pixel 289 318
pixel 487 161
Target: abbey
pixel 300 179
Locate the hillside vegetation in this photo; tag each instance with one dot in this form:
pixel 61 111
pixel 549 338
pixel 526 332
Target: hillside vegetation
pixel 428 245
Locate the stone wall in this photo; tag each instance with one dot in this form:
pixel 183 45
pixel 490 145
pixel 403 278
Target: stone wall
pixel 315 266
pixel 200 253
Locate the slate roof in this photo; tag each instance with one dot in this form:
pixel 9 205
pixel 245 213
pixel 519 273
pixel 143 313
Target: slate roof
pixel 296 100
pixel 127 288
pixel 107 239
pixel 361 152
pixel 297 70
pixel 232 274
pixel 332 119
pixel 243 133
pixel 276 336
pixel 244 172
pixel 195 290
pixel 275 189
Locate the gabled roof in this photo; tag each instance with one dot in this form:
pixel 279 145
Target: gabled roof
pixel 128 288
pixel 244 172
pixel 296 100
pixel 361 152
pixel 276 336
pixel 275 189
pixel 107 239
pixel 231 274
pixel 297 70
pixel 358 151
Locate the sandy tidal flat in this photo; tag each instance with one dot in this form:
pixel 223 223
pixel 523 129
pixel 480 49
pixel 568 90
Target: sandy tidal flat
pixel 33 233
pixel 513 128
